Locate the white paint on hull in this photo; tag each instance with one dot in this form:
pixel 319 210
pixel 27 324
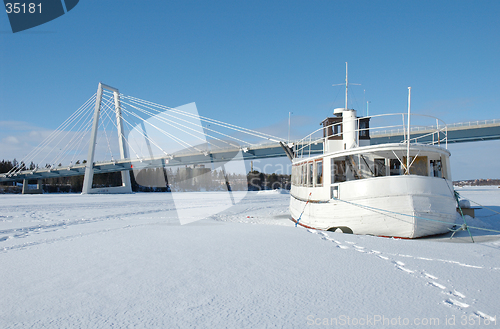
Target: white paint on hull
pixel 400 206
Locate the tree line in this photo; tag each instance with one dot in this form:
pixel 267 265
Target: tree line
pixel 160 180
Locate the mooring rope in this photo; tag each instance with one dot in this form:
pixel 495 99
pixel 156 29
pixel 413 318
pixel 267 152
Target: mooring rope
pixel 308 199
pixel 413 216
pixel 464 225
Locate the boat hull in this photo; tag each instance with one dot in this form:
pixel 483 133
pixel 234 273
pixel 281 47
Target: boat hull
pixel 396 206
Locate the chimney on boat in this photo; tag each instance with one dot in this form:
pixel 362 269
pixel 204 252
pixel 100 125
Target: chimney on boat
pixel 345 131
pixel 349 127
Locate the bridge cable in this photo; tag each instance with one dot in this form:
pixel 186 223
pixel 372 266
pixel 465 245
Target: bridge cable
pixel 18 168
pixel 212 121
pixel 70 143
pixel 165 120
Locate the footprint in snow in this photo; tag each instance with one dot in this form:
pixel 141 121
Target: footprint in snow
pixel 437 285
pixel 486 316
pixel 454 302
pixel 458 294
pixel 401 266
pixel 405 269
pixel 430 276
pixel 358 248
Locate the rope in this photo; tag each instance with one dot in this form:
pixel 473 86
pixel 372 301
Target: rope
pixel 413 216
pixel 464 225
pixel 484 206
pixel 308 198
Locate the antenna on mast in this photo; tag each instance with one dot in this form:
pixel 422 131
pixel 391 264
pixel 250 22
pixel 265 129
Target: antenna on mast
pixel 346 84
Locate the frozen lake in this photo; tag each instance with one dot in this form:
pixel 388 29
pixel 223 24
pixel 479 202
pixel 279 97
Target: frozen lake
pixel 101 261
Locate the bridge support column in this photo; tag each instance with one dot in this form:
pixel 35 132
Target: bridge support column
pixel 37 190
pixel 89 169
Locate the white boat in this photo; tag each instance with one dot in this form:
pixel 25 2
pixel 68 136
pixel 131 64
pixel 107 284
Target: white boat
pixel 402 189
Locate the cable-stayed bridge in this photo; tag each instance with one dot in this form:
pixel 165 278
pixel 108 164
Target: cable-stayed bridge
pixel 123 133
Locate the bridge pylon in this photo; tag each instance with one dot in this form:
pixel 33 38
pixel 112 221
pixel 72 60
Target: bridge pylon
pixel 89 169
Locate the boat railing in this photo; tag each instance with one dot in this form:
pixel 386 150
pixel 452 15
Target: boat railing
pixel 425 134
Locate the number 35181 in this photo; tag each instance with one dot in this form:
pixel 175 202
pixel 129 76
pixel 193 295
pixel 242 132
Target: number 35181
pixel 23 8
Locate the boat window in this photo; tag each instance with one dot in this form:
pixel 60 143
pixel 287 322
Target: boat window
pixel 418 165
pixel 337 129
pixel 332 171
pixel 297 176
pixel 303 175
pixel 379 167
pixel 365 169
pixel 310 174
pixel 354 166
pixel 436 168
pixel 332 128
pixel 364 133
pixel 338 171
pixel 395 167
pixel 319 173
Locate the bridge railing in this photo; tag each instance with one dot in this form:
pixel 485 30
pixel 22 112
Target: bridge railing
pixel 394 132
pixel 475 123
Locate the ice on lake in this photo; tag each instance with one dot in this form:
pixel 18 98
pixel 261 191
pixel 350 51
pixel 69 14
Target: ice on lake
pixel 100 261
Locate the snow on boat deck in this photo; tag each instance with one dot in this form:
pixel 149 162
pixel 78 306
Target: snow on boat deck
pixel 104 261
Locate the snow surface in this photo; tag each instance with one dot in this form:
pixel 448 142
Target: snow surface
pixel 101 261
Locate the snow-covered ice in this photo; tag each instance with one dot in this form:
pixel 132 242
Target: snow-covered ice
pixel 100 261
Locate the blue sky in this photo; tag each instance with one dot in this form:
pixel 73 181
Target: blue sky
pixel 251 62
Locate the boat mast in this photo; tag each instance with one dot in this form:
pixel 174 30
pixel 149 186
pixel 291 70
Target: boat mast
pixel 346 84
pixel 408 139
